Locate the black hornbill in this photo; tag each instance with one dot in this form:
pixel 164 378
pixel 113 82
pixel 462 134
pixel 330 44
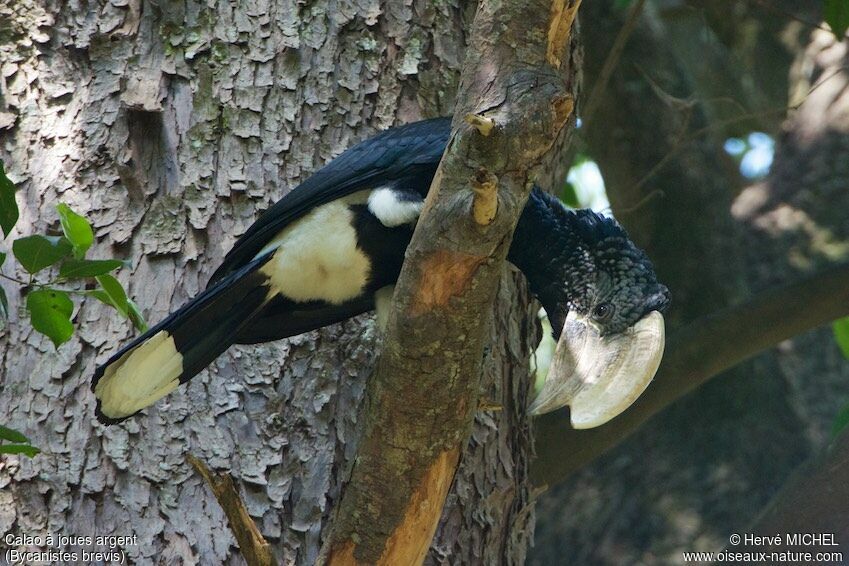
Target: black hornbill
pixel 333 247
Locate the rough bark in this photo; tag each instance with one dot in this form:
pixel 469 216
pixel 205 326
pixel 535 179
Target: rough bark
pixel 720 440
pixel 425 391
pixel 172 125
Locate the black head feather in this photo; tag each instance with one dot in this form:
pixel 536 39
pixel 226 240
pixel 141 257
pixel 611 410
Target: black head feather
pixel 582 260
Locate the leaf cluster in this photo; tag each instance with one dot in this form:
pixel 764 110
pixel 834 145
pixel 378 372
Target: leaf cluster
pixel 58 260
pixel 52 263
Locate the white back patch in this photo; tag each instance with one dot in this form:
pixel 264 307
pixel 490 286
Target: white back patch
pixel 392 211
pixel 316 257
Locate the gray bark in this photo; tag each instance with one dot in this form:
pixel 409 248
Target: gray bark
pixel 171 125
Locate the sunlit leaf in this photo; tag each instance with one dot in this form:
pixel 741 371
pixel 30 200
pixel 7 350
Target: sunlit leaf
pixel 12 435
pixel 841 334
pixel 37 252
pixel 836 15
pixel 77 268
pixel 8 205
pixel 136 316
pixel 50 313
pixel 570 196
pixel 113 289
pixel 24 449
pixel 76 229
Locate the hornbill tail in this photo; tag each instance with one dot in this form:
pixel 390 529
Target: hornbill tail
pixel 179 347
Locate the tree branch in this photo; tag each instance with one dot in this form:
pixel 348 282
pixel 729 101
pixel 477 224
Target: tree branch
pixel 422 398
pixel 816 500
pixel 255 549
pixel 694 354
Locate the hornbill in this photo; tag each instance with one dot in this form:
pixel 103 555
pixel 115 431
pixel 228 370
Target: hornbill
pixel 332 248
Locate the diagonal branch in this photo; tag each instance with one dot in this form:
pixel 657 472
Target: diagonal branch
pixel 694 354
pixel 424 393
pixel 815 500
pixel 255 549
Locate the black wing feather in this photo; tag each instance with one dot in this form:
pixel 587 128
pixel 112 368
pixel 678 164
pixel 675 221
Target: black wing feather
pixel 410 151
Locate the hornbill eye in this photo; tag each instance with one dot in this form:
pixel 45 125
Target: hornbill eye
pixel 602 312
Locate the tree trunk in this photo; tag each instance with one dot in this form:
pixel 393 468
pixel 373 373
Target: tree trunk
pixel 171 125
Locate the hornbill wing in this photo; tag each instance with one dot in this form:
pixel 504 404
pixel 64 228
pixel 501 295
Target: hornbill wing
pixel 328 257
pixel 282 318
pixel 410 152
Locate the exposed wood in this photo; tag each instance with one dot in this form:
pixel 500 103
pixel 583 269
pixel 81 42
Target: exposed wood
pixel 485 203
pixel 563 13
pixel 481 123
pixel 444 274
pixel 694 354
pixel 411 540
pixel 255 549
pixel 422 399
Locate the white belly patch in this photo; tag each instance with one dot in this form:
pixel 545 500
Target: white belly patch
pixel 316 257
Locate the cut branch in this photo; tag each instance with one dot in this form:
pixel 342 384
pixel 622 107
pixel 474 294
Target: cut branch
pixel 422 398
pixel 481 123
pixel 255 549
pixel 485 204
pixel 694 354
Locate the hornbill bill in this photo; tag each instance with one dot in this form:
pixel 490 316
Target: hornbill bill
pixel 333 247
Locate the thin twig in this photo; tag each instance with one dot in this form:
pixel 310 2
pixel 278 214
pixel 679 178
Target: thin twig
pixel 684 142
pixel 612 59
pixel 18 281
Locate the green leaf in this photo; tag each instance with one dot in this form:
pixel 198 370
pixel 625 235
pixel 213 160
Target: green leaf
pixel 76 229
pixel 37 252
pixel 50 313
pixel 570 196
pixel 836 14
pixel 2 258
pixel 8 206
pixel 117 297
pixel 78 268
pixel 841 334
pixel 840 421
pixel 24 449
pixel 12 435
pixel 136 316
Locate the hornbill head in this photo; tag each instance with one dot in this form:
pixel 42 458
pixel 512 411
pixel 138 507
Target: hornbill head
pixel 605 311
